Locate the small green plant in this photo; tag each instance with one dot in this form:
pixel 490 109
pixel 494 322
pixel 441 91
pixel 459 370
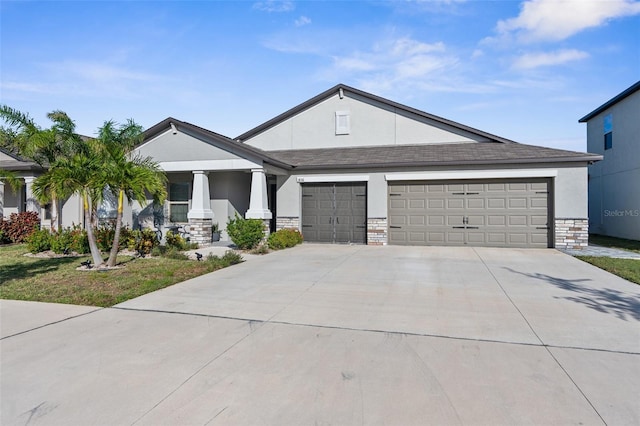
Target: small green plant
pixel 261 249
pixel 175 253
pixel 246 234
pixel 229 258
pixel 285 238
pixel 176 241
pixel 39 241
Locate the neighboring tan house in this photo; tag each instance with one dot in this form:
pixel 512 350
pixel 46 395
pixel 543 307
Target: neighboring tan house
pixel 350 167
pixel 613 130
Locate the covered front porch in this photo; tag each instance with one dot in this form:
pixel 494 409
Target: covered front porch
pixel 211 179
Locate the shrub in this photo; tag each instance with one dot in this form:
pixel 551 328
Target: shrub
pixel 284 238
pixel 39 241
pixel 176 241
pixel 104 237
pixel 144 241
pixel 21 225
pixel 70 239
pixel 4 232
pixel 245 233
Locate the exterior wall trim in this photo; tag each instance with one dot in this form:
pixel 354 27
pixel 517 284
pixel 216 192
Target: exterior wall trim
pixel 188 166
pixel 332 178
pixel 473 174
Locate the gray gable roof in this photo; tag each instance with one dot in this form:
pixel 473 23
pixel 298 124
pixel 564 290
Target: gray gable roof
pixel 17 163
pixel 611 102
pixel 428 155
pixel 212 138
pixel 346 89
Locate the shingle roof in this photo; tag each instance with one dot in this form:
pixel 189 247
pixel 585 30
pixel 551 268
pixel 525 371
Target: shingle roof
pixel 428 155
pixel 346 89
pixel 631 90
pixel 17 163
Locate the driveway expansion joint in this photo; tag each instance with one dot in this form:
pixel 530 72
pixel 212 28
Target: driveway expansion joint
pixel 52 323
pixel 371 330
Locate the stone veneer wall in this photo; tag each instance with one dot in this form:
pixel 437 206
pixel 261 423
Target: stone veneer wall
pixel 572 233
pixel 290 222
pixel 377 231
pixel 200 231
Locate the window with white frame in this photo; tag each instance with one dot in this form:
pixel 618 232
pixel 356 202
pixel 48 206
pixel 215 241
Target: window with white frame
pixel 178 201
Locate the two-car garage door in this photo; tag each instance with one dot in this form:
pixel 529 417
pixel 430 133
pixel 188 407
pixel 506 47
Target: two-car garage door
pixel 498 212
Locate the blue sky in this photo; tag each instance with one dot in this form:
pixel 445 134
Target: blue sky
pixel 524 70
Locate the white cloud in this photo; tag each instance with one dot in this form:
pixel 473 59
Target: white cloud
pixel 274 6
pixel 545 59
pixel 552 20
pixel 302 21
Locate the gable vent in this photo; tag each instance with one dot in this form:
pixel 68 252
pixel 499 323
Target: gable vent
pixel 343 122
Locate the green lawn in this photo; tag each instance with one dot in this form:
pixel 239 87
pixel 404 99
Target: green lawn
pixel 628 269
pixel 57 280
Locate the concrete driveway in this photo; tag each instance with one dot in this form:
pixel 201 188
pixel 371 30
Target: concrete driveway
pixel 339 335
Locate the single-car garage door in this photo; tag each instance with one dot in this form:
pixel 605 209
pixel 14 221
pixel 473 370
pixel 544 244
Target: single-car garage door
pixel 334 212
pixel 492 212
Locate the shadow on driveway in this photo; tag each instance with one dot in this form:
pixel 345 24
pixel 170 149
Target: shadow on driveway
pixel 608 301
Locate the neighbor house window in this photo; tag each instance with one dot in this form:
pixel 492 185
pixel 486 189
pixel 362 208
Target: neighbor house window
pixel 178 201
pixel 608 140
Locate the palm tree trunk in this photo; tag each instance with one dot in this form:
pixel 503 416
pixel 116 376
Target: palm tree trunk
pixel 93 246
pixel 116 238
pixel 55 224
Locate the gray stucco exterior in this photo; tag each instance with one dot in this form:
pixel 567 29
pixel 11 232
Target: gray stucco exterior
pixel 346 136
pixel 614 182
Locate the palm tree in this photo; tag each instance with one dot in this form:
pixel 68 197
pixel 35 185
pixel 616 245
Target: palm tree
pixel 42 146
pixel 10 178
pixel 135 178
pixel 78 174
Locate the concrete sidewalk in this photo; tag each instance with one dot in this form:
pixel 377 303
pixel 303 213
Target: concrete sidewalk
pixel 346 335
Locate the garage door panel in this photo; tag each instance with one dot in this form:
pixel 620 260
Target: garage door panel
pixel 455 203
pixel 436 220
pixel 397 203
pixel 476 203
pixel 417 204
pixel 497 237
pixel 509 212
pixel 539 203
pixel 437 203
pixel 417 220
pixel 496 203
pixel 495 220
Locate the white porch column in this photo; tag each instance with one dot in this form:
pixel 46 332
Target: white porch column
pixel 1 199
pixel 30 202
pixel 200 198
pixel 258 203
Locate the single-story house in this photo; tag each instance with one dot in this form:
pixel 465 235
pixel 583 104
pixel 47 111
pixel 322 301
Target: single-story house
pixel 350 167
pixel 613 130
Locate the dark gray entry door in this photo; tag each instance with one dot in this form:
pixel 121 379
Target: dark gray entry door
pixel 334 212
